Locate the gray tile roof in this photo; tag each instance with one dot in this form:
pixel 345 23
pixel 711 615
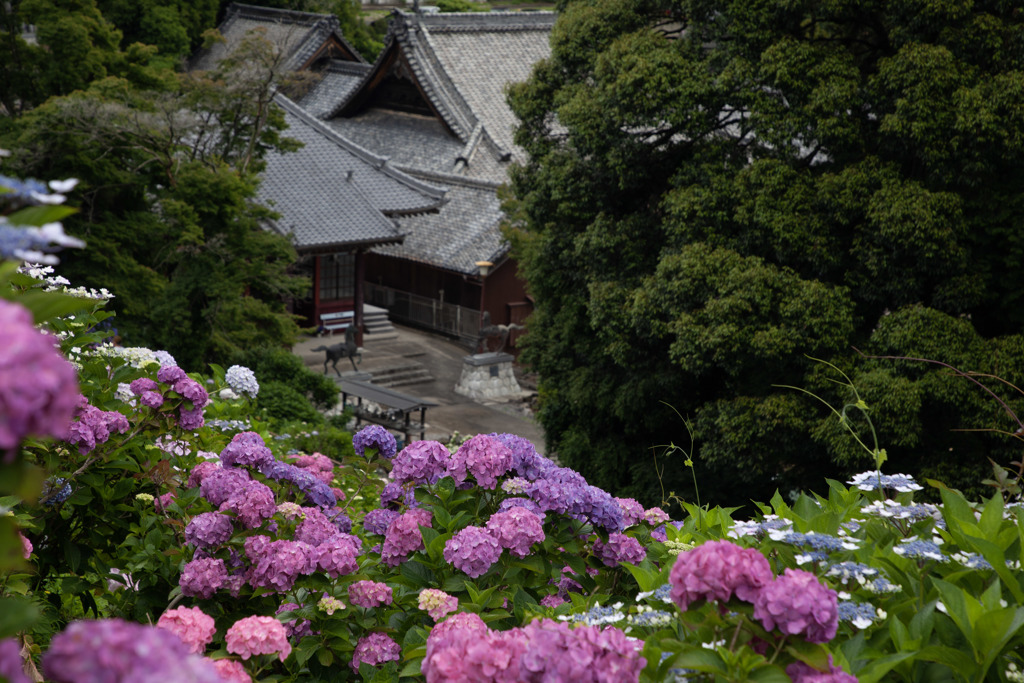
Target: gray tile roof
pixel 339 78
pixel 463 232
pixel 333 193
pixel 408 140
pixel 298 35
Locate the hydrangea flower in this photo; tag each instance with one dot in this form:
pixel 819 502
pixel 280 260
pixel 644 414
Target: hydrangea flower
pixel 94 426
pixel 246 450
pixel 208 530
pixel 38 386
pixel 330 604
pixel 403 536
pixel 421 462
pixel 472 550
pixel 851 571
pixel 315 527
pixel 370 594
pixel 199 472
pixel 462 650
pixel 375 440
pixel 252 503
pixel 191 624
pixel 375 649
pixel 201 578
pixel 632 511
pixel 378 520
pixel 117 651
pixel 220 484
pixel 526 462
pixel 55 491
pixel 717 570
pixel 860 614
pixel 437 603
pixel 797 603
pixel 279 563
pixel 297 629
pixel 338 556
pixel 231 671
pixel 258 636
pixel 316 491
pixel 890 509
pixel 556 652
pixel 10 661
pixel 619 548
pixel 655 516
pixel 916 549
pixel 516 529
pixel 483 457
pixel 242 380
pixel 873 481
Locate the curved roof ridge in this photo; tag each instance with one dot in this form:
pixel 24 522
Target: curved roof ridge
pixel 449 94
pixel 260 13
pixel 490 21
pixel 451 178
pixel 375 160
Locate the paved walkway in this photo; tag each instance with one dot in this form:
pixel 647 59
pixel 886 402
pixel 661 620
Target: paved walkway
pixel 442 360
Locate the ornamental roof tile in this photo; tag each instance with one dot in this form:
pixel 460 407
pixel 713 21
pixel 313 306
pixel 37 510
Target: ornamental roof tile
pixel 299 35
pixel 333 193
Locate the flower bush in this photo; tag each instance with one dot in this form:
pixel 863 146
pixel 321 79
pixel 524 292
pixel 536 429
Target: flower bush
pixel 138 494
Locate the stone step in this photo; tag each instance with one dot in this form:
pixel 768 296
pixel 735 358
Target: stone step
pixel 400 375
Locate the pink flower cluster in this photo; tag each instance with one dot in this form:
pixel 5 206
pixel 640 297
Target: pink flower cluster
pixel 38 386
pixel 482 456
pixel 422 462
pixel 374 649
pixel 94 426
pixel 437 603
pixel 464 649
pixel 258 636
pixel 231 671
pixel 191 624
pixel 319 465
pixel 252 503
pixel 619 548
pixel 632 511
pixel 804 673
pixel 516 529
pixel 190 393
pixel 279 563
pixel 315 527
pixel 403 536
pixel 339 555
pixel 795 603
pixel 370 594
pixel 472 550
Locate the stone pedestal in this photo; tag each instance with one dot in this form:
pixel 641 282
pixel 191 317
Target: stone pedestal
pixel 488 376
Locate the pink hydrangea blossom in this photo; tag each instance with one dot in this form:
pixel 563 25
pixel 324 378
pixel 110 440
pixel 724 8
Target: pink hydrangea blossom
pixel 553 600
pixel 337 556
pixel 516 529
pixel 26 545
pixel 472 653
pixel 370 594
pixel 556 652
pixel 472 550
pixel 483 457
pixel 422 462
pixel 232 671
pixel 797 603
pixel 94 426
pixel 804 673
pixel 258 636
pixel 280 563
pixel 374 649
pixel 199 472
pixel 191 624
pixel 403 536
pixel 655 516
pixel 11 667
pixel 252 503
pixel 437 603
pixel 717 570
pixel 315 527
pixel 201 578
pixel 632 511
pixel 38 386
pixel 619 548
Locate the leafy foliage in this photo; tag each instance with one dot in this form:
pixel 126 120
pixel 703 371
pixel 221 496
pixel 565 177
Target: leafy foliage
pixel 715 190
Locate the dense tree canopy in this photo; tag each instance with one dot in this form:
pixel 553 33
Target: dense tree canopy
pixel 717 190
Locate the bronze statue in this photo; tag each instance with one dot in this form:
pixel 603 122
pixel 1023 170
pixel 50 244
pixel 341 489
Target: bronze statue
pixel 348 349
pixel 489 331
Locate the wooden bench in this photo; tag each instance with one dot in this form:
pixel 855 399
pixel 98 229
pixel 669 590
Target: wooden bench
pixel 329 322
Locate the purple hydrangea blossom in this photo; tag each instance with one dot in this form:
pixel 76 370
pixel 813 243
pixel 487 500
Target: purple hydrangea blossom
pixel 280 563
pixel 209 530
pixel 472 550
pixel 403 536
pixel 190 419
pixel 395 495
pixel 317 464
pixel 94 426
pixel 797 603
pixel 192 391
pixel 315 528
pixel 378 520
pixel 142 385
pixel 169 374
pixel 38 386
pixel 717 570
pixel 316 491
pixel 632 511
pixel 517 529
pixel 255 547
pixel 339 519
pixel 246 450
pixel 460 650
pixel 338 556
pixel 370 594
pixel 296 629
pixel 252 503
pixel 116 651
pixel 10 661
pixel 525 503
pixel 220 484
pixel 374 438
pixel 421 462
pixel 557 652
pixel 804 673
pixel 375 649
pixel 526 462
pixel 201 578
pixel 484 458
pixel 619 548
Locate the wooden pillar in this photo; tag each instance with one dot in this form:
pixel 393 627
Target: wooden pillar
pixel 360 274
pixel 316 290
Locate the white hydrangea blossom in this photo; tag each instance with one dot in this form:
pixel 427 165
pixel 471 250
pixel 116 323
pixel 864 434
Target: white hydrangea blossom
pixel 242 380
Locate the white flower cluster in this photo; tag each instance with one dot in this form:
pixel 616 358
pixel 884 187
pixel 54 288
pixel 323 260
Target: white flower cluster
pixel 873 481
pixel 242 380
pixel 890 509
pixel 58 283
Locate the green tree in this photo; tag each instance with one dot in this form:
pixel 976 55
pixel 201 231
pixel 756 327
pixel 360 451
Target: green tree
pixel 714 190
